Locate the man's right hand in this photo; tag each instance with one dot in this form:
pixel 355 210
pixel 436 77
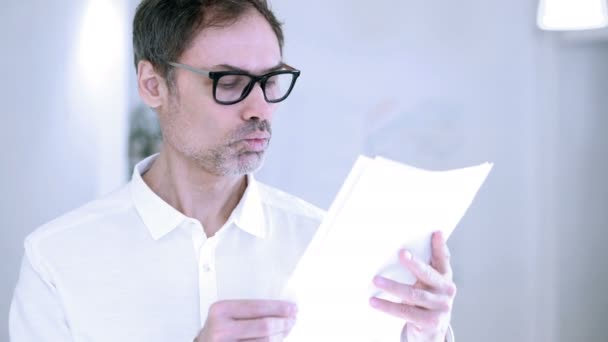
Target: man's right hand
pixel 248 320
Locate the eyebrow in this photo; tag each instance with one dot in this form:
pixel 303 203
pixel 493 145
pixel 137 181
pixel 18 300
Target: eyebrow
pixel 234 68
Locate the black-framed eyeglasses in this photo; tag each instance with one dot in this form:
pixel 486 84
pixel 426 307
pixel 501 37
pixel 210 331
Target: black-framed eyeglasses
pixel 230 87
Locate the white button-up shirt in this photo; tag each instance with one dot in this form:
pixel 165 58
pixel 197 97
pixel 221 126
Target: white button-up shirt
pixel 129 267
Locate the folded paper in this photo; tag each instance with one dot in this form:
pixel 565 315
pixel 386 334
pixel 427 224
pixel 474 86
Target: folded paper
pixel 383 206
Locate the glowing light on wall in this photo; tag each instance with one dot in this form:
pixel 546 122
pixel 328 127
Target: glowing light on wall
pixel 572 14
pixel 99 88
pixel 101 40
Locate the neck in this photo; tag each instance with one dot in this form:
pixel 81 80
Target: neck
pixel 196 193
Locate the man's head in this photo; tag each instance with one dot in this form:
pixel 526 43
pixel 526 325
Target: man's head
pixel 173 37
pixel 163 30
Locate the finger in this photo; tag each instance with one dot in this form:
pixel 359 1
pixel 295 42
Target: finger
pixel 251 309
pixel 441 255
pixel 262 327
pixel 275 338
pixel 420 317
pixel 425 273
pixel 413 296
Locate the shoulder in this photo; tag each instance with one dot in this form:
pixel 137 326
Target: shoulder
pixel 86 222
pixel 290 220
pixel 278 200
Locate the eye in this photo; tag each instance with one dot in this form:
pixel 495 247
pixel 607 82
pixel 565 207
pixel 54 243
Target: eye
pixel 229 82
pixel 227 85
pixel 272 81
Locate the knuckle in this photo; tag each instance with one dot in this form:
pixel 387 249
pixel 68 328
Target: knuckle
pixel 452 289
pixel 405 311
pixel 445 305
pixel 411 293
pixel 215 309
pixel 427 272
pixel 418 295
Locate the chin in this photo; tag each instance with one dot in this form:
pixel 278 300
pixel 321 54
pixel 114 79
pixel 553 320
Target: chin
pixel 248 163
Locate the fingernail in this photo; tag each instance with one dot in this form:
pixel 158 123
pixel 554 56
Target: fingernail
pixel 373 302
pixel 407 255
pixel 379 281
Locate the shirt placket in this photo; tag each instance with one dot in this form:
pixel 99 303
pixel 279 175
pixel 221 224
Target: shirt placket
pixel 207 278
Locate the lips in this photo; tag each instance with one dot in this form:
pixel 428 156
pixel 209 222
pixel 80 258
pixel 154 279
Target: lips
pixel 260 136
pixel 255 144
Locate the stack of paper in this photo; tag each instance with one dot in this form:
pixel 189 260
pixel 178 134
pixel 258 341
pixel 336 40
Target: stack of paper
pixel 382 207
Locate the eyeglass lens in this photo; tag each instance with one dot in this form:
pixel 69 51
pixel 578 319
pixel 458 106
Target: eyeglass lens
pixel 232 87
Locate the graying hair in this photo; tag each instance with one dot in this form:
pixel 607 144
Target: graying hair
pixel 164 29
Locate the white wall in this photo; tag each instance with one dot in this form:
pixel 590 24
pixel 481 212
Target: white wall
pixel 582 272
pixel 63 131
pixel 449 84
pixel 460 82
pixel 434 84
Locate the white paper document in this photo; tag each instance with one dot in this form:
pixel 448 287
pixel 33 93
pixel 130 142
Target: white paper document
pixel 382 207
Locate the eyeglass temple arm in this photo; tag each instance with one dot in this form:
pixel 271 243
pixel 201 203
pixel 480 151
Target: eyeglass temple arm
pixel 189 68
pixel 206 73
pixel 289 67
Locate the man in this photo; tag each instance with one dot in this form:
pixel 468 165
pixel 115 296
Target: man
pixel 194 247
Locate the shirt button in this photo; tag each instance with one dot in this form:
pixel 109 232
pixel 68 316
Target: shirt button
pixel 206 268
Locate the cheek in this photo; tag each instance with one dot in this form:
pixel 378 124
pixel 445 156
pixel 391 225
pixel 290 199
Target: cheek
pixel 198 118
pixel 207 123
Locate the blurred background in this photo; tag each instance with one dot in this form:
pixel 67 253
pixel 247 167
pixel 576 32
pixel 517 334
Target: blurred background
pixel 435 84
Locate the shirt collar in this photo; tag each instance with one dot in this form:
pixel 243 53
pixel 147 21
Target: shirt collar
pixel 158 216
pixel 161 218
pixel 249 213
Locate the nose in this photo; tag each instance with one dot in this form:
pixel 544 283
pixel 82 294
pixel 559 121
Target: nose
pixel 255 105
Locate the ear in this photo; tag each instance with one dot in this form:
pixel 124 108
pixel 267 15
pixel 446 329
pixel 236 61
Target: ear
pixel 151 86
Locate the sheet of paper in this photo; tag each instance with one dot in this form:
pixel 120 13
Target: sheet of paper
pixel 382 207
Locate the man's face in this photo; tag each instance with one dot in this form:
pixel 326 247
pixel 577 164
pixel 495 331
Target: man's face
pixel 222 139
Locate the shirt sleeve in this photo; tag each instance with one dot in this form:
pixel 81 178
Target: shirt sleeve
pixel 449 337
pixel 36 312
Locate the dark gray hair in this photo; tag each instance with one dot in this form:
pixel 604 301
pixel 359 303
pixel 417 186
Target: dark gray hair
pixel 164 29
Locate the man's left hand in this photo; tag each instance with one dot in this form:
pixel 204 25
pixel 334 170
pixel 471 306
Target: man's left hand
pixel 426 306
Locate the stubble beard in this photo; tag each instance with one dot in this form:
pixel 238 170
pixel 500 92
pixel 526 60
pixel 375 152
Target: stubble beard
pixel 228 157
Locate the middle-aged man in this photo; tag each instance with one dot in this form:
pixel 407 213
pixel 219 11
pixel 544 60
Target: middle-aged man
pixel 194 247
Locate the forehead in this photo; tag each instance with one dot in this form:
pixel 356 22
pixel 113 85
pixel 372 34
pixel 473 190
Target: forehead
pixel 249 44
